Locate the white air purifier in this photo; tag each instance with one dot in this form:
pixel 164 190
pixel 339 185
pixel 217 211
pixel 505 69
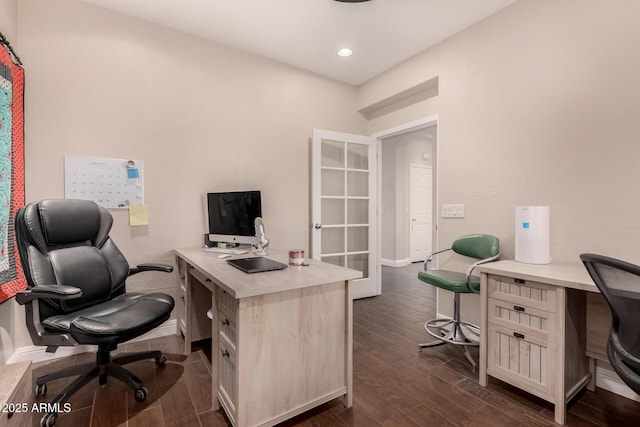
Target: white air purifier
pixel 533 244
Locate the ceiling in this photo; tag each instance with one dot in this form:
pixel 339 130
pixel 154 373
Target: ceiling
pixel 308 33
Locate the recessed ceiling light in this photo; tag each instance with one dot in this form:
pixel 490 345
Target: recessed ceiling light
pixel 344 52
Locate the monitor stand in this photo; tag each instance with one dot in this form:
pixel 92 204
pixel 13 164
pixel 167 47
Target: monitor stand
pixel 236 250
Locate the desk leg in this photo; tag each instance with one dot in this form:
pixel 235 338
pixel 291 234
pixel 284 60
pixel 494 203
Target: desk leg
pixel 560 412
pixel 347 399
pixel 215 351
pixel 482 375
pixel 591 385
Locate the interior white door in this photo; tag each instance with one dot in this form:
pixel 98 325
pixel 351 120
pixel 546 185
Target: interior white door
pixel 343 205
pixel 420 212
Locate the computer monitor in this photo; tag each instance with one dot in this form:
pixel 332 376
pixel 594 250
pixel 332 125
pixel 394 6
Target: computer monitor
pixel 231 215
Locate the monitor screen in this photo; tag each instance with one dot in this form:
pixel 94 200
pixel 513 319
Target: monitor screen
pixel 231 215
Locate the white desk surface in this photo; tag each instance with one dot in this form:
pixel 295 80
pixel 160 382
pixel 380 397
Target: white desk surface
pixel 241 285
pixel 574 276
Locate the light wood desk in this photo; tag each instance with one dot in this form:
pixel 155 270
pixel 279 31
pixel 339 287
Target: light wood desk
pixel 534 329
pixel 282 340
pixel 15 395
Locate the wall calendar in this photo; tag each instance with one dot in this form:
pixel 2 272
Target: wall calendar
pixel 111 183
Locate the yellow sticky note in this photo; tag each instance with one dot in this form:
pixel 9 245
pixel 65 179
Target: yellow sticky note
pixel 138 214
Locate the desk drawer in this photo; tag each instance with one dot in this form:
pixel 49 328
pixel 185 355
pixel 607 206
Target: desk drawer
pixel 227 387
pixel 182 269
pixel 227 303
pixel 181 310
pixel 227 327
pixel 522 292
pixel 526 320
pixel 521 360
pixel 181 295
pixel 204 280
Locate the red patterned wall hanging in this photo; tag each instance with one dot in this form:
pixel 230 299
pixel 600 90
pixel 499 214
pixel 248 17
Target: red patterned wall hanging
pixel 12 277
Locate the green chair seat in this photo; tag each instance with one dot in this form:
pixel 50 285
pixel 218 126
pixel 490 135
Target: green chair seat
pixel 449 280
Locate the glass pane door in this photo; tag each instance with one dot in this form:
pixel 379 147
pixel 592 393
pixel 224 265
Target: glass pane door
pixel 343 204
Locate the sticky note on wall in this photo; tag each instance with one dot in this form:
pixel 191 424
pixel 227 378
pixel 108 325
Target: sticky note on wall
pixel 138 214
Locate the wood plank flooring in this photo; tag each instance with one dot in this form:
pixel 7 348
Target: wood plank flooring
pixel 394 384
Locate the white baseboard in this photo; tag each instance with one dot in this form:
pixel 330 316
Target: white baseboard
pixel 39 354
pixel 395 262
pixel 610 381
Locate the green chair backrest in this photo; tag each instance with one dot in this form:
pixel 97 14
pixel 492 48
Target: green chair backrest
pixel 478 246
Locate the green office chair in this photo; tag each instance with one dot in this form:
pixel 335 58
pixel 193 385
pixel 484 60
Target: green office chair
pixel 485 248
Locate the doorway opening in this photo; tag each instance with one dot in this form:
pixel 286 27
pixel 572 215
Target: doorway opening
pixel 408 193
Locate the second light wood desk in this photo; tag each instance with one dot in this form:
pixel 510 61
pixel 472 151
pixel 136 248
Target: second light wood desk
pixel 282 340
pixel 534 329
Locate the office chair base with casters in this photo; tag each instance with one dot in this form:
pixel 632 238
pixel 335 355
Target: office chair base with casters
pixel 103 367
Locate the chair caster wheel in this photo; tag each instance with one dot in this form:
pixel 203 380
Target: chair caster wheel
pixel 40 390
pixel 161 361
pixel 49 420
pixel 141 394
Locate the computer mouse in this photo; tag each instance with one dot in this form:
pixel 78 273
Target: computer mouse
pixel 221 256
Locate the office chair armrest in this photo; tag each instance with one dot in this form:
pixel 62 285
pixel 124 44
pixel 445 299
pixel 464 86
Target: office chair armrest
pixel 48 291
pixel 474 265
pixel 165 268
pixel 431 255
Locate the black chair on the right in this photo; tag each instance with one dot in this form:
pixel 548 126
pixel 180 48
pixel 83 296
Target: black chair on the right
pixel 619 283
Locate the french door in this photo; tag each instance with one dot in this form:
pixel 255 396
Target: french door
pixel 343 205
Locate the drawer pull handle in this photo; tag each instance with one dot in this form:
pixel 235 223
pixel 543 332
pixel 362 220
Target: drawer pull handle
pixel 225 353
pixel 225 322
pixel 517 335
pixel 521 281
pixel 518 308
pixel 208 280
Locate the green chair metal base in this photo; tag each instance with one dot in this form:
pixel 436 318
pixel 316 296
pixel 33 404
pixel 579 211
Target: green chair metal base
pixel 451 331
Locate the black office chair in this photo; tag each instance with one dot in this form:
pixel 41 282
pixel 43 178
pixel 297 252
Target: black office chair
pixel 76 293
pixel 484 248
pixel 619 283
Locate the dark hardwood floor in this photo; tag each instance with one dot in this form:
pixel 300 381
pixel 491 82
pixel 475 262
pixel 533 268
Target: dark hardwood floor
pixel 394 384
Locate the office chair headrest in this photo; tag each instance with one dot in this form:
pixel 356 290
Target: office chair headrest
pixel 69 220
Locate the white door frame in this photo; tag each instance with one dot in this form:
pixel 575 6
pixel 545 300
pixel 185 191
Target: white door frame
pixel 399 130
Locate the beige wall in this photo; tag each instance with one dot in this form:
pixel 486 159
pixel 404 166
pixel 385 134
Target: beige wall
pixel 9 28
pixel 537 104
pixel 201 116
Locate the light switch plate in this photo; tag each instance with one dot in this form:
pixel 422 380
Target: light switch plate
pixel 453 210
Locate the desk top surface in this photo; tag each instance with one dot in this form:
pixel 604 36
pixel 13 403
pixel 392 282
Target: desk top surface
pixel 241 285
pixel 574 276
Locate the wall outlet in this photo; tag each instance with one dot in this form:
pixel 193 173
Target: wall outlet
pixel 453 210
